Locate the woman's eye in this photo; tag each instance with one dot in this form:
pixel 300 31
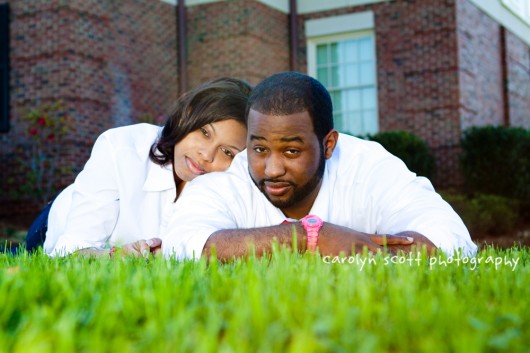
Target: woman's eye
pixel 204 132
pixel 228 152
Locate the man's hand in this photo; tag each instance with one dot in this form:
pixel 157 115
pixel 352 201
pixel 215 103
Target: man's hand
pixel 334 240
pixel 419 241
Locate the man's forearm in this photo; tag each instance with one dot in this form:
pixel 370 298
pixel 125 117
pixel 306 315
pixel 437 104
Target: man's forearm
pixel 230 243
pixel 333 240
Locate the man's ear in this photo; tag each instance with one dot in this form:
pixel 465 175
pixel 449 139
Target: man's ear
pixel 330 142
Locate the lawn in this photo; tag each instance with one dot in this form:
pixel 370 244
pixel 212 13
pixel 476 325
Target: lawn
pixel 287 303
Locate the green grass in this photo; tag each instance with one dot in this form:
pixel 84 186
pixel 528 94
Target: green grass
pixel 289 303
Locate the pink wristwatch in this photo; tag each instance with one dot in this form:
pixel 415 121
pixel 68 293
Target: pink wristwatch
pixel 312 225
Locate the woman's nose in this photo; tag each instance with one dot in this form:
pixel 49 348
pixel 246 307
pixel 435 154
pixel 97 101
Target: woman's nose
pixel 207 153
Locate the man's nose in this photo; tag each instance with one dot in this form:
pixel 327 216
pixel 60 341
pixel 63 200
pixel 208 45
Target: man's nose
pixel 274 166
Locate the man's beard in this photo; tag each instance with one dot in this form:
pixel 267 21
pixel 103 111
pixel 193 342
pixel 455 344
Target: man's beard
pixel 299 192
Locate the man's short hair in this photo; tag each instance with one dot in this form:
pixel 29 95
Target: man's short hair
pixel 292 92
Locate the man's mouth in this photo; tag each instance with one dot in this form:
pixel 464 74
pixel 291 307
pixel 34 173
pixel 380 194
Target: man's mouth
pixel 194 167
pixel 278 188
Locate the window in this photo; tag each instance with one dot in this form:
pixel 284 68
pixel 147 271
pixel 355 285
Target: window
pixel 4 67
pixel 345 63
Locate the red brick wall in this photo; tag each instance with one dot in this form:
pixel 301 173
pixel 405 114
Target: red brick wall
pixel 439 65
pixel 518 72
pixel 417 70
pixel 238 38
pixel 109 62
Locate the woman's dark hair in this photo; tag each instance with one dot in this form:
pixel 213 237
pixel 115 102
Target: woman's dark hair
pixel 288 93
pixel 217 100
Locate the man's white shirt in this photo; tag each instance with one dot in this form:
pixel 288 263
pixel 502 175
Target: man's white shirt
pixel 118 198
pixel 364 188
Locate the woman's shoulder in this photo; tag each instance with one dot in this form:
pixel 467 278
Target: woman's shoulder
pixel 133 131
pixel 138 136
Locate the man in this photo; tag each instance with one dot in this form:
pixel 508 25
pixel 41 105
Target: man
pixel 348 192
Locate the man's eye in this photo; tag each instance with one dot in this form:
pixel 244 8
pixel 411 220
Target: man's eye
pixel 228 152
pixel 259 149
pixel 205 132
pixel 292 152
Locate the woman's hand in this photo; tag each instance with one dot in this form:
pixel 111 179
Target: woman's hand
pixel 142 248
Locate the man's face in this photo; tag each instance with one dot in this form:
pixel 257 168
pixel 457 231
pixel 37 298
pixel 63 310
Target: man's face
pixel 286 160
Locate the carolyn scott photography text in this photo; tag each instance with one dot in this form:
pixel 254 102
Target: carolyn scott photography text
pixel 472 262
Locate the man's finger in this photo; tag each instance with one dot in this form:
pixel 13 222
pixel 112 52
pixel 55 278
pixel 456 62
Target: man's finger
pixel 389 239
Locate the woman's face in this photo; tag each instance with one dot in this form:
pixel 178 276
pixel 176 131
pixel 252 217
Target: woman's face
pixel 209 149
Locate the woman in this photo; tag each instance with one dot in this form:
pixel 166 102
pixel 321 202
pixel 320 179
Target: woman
pixel 135 173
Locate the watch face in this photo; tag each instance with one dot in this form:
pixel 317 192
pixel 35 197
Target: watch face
pixel 312 221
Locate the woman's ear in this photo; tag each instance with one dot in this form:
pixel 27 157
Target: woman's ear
pixel 330 142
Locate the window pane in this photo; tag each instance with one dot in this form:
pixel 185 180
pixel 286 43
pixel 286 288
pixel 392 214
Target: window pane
pixel 367 73
pixel 353 123
pixel 370 122
pixel 322 54
pixel 335 76
pixel 351 75
pixel 369 98
pixel 352 99
pixel 336 98
pixel 366 49
pixel 322 76
pixel 350 51
pixel 334 53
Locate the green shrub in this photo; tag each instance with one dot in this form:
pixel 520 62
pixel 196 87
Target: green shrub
pixel 496 160
pixel 409 148
pixel 485 213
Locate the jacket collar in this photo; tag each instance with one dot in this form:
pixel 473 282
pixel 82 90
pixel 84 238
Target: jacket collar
pixel 159 178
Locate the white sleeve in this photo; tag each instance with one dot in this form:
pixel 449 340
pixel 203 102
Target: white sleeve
pixel 406 202
pixel 94 208
pixel 201 210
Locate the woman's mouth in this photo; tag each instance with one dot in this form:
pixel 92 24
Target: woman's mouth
pixel 194 167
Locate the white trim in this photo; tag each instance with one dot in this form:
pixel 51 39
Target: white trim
pixel 309 6
pixel 339 24
pixel 281 5
pixel 520 8
pixel 499 13
pixel 303 6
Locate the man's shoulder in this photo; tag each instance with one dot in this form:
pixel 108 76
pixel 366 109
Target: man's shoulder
pixel 232 181
pixel 351 149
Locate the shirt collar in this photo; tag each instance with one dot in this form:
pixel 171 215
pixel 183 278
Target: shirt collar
pixel 159 178
pixel 321 205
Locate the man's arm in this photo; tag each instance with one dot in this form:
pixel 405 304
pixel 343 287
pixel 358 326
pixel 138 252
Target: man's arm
pixel 333 240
